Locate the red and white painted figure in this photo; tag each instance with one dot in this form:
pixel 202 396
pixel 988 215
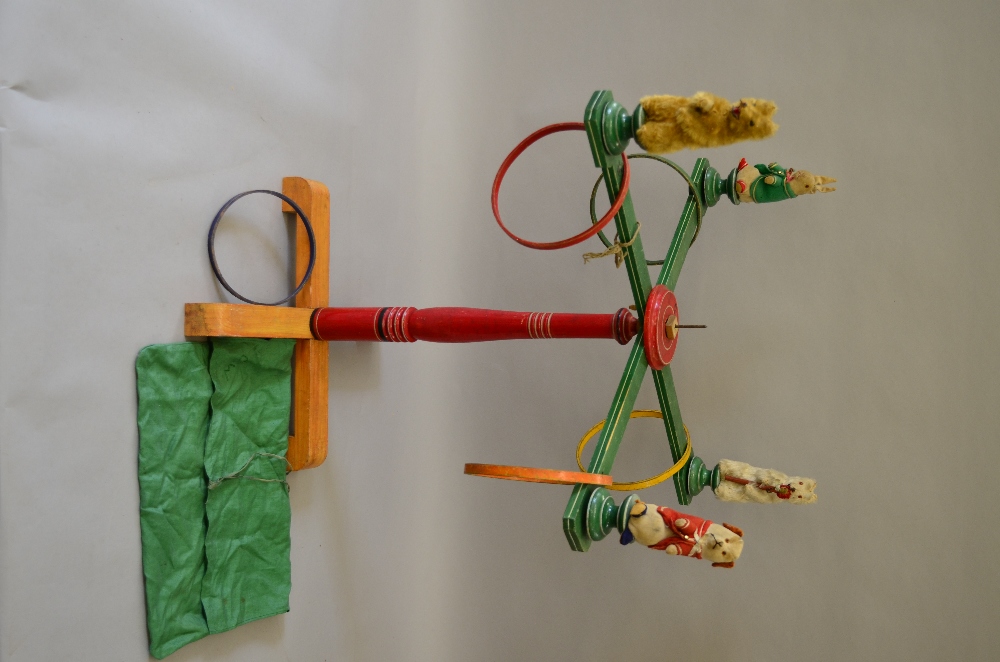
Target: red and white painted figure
pixel 679 534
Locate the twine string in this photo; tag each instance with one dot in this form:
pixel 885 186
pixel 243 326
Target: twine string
pixel 239 472
pixel 680 171
pixel 617 249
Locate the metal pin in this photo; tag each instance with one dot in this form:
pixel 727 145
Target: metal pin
pixel 680 326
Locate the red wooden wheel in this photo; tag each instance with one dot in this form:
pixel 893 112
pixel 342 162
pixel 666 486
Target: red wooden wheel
pixel 575 239
pixel 659 336
pixel 535 475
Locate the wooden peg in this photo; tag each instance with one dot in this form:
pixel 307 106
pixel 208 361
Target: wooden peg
pixel 670 328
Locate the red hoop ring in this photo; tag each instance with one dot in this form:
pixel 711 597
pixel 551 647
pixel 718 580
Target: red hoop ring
pixel 576 239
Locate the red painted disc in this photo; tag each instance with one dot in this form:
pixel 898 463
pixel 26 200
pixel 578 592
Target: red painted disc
pixel 660 306
pixel 535 475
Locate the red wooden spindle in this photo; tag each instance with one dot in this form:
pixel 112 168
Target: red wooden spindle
pixel 453 325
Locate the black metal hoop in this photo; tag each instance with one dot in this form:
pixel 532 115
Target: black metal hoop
pixel 215 264
pixel 680 171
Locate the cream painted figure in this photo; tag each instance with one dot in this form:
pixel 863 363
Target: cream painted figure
pixel 745 483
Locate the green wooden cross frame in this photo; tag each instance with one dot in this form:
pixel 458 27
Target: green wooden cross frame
pixel 609 130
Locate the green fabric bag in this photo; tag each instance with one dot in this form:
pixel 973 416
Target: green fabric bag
pixel 249 574
pixel 214 510
pixel 174 391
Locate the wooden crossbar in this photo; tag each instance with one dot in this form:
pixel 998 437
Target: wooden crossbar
pixel 240 320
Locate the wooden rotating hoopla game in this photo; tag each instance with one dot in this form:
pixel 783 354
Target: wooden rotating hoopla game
pixel 222 422
pixel 658 125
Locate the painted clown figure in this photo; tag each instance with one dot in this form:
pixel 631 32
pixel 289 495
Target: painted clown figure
pixel 679 534
pixel 772 182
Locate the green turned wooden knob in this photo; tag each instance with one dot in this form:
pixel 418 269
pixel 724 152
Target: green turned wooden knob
pixel 621 522
pixel 734 196
pixel 603 515
pixel 638 119
pixel 715 186
pixel 699 476
pixel 618 127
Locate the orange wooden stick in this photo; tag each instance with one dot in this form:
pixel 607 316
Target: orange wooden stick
pixel 535 475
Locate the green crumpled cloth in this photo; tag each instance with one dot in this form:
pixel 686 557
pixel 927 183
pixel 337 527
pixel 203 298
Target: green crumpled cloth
pixel 213 502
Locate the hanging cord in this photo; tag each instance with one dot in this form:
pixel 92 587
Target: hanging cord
pixel 618 250
pixel 639 484
pixel 680 171
pixel 238 473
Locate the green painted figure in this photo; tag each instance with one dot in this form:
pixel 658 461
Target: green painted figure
pixel 772 182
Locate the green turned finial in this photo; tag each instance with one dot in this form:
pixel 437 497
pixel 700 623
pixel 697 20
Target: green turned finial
pixel 610 128
pixel 618 127
pixel 699 476
pixel 638 119
pixel 603 515
pixel 712 187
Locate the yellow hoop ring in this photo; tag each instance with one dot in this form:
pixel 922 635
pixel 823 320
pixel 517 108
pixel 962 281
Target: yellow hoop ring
pixel 639 484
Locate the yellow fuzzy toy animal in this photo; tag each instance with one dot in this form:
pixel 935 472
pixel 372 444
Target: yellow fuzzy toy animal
pixel 704 120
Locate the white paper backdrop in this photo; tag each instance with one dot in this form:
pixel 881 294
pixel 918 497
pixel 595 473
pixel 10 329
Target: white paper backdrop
pixel 851 337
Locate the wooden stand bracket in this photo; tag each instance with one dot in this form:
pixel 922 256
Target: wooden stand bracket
pixel 307 439
pixel 307 443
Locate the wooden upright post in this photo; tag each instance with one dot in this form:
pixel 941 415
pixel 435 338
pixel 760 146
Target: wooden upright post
pixel 307 441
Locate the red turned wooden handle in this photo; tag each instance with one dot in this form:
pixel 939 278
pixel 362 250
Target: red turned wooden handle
pixel 457 325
